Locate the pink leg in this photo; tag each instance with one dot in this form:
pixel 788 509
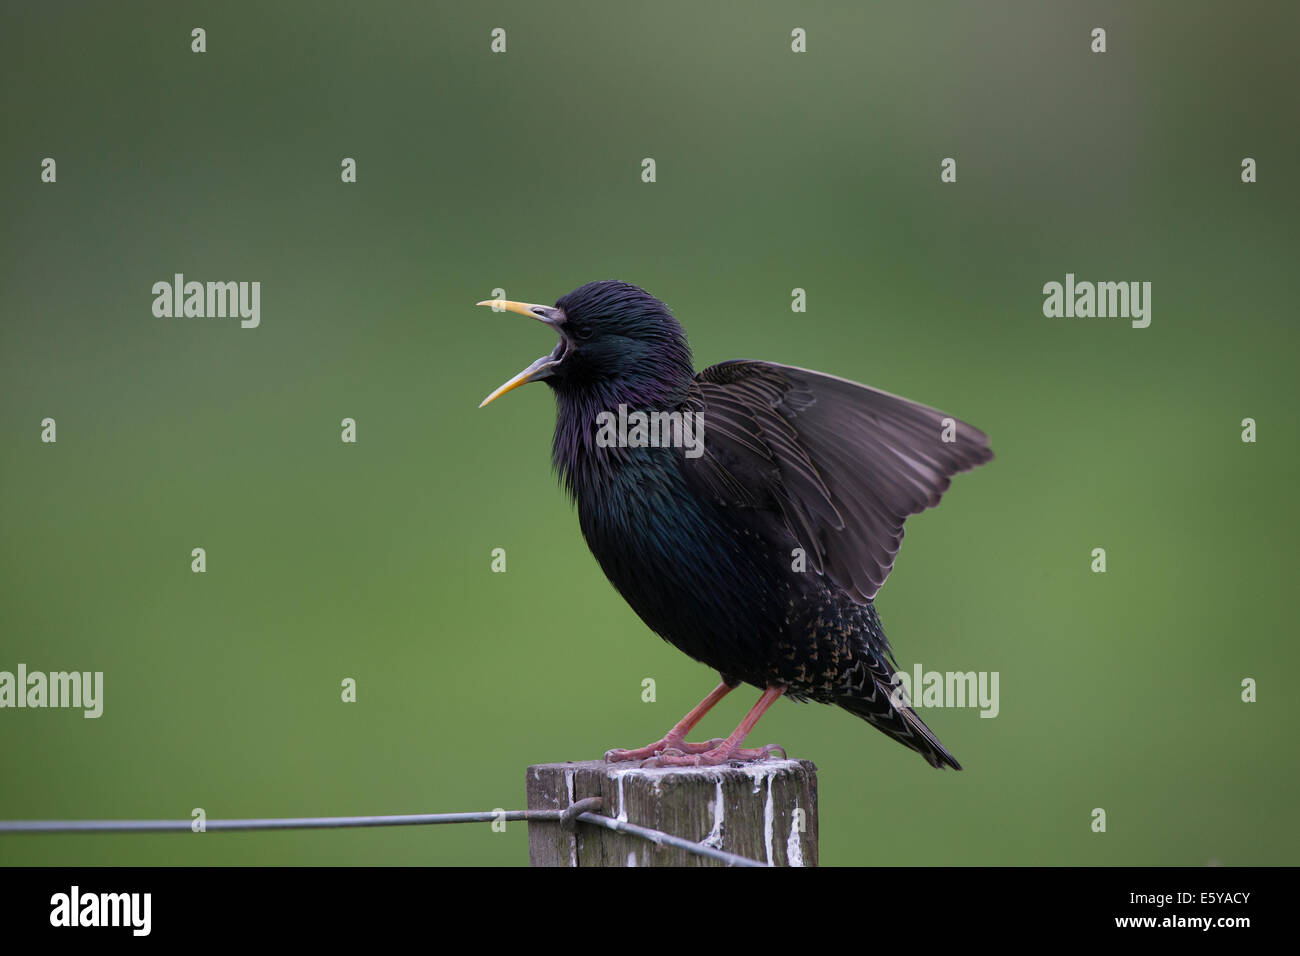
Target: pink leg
pixel 730 748
pixel 675 739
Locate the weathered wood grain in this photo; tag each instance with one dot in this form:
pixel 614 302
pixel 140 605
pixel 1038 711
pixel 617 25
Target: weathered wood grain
pixel 766 811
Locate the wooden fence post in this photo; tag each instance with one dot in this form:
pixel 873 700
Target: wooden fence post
pixel 766 811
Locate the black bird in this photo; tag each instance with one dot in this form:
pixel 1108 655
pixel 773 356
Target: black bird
pixel 761 552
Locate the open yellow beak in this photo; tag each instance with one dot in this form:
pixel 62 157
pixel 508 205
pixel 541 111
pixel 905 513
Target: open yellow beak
pixel 544 366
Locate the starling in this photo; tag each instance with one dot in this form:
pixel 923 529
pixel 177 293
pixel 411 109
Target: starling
pixel 759 550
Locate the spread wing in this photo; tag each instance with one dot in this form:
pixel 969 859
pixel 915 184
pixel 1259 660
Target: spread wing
pixel 841 464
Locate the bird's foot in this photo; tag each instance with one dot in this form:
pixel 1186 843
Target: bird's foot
pixel 712 758
pixel 674 751
pixel 666 745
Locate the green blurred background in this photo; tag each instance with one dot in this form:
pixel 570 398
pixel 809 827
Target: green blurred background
pixel 522 171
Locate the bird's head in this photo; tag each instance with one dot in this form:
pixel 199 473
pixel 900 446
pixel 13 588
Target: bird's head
pixel 618 343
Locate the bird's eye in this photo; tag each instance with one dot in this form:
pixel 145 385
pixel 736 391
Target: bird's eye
pixel 584 332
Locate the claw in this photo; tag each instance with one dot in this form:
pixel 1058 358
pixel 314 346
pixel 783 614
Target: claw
pixel 673 750
pixel 715 757
pixel 618 754
pixel 668 745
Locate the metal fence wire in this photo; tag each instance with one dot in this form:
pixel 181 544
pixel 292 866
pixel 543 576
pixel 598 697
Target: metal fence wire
pixel 582 811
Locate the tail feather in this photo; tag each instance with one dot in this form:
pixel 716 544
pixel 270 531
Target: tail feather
pixel 868 690
pixel 900 722
pixel 902 725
